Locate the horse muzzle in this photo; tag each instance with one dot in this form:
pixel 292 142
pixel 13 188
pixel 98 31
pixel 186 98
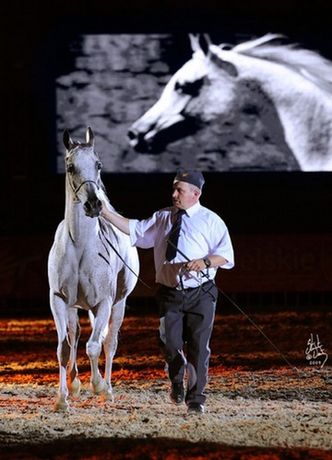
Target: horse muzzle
pixel 93 207
pixel 155 138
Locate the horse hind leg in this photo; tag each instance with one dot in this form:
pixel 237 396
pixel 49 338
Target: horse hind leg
pixel 93 346
pixel 111 344
pixel 74 332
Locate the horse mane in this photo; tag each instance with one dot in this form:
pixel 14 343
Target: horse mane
pixel 103 196
pixel 117 234
pixel 309 64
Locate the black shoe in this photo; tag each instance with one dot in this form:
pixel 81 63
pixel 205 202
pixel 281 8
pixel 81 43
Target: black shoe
pixel 195 408
pixel 177 393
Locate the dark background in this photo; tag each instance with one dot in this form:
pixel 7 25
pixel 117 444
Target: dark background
pixel 280 222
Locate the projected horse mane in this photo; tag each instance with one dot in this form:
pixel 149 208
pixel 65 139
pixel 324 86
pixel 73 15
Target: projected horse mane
pixel 308 63
pixel 288 87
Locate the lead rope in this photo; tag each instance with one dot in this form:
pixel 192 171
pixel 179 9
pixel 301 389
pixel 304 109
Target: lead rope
pixel 119 255
pixel 243 313
pixel 222 292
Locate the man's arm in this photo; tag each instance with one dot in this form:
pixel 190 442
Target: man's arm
pixel 198 264
pixel 122 223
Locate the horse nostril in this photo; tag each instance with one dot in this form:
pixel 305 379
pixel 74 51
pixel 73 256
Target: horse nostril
pixel 99 203
pixel 87 206
pixel 132 135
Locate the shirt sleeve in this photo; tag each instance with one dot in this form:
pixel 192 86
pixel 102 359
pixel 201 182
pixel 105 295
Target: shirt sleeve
pixel 143 233
pixel 223 245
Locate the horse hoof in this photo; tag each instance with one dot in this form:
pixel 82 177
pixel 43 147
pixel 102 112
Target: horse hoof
pixel 61 406
pixel 75 387
pixel 108 395
pixel 98 388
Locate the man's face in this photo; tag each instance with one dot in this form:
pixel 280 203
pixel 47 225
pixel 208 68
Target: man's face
pixel 185 195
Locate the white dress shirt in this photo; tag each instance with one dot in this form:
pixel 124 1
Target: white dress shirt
pixel 203 233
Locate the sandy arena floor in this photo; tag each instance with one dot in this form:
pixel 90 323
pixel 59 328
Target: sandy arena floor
pixel 257 408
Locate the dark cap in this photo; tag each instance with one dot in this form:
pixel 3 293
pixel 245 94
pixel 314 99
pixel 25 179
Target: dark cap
pixel 192 177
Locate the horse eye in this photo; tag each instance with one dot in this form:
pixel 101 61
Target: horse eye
pixel 191 88
pixel 99 165
pixel 70 168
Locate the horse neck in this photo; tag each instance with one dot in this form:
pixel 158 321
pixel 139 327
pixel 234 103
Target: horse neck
pixel 78 224
pixel 296 99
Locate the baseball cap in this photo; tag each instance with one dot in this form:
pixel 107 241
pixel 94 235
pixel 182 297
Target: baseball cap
pixel 192 177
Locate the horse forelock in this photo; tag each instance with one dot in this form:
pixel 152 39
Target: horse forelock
pixel 195 65
pixel 199 54
pixel 77 146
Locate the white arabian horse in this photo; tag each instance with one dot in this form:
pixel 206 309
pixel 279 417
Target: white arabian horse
pixel 92 266
pixel 217 81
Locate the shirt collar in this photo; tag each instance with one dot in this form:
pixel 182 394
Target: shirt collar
pixel 193 209
pixel 190 211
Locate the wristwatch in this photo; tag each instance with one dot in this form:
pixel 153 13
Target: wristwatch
pixel 207 262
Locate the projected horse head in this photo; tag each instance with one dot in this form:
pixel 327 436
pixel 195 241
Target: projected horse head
pixel 218 82
pixel 191 97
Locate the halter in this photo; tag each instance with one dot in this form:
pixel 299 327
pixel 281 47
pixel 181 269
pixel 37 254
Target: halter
pixel 75 190
pixel 85 182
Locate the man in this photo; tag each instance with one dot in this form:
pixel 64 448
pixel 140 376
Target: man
pixel 190 243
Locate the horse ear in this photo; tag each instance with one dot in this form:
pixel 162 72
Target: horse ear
pixel 205 43
pixel 68 142
pixel 194 42
pixel 89 136
pixel 200 42
pixel 224 65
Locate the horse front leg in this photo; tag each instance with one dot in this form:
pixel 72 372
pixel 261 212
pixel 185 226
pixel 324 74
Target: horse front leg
pixel 100 321
pixel 60 314
pixel 111 344
pixel 74 332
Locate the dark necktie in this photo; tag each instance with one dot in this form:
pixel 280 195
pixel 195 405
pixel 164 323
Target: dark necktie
pixel 174 235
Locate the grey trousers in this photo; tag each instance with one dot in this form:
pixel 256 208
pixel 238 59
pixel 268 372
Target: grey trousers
pixel 188 317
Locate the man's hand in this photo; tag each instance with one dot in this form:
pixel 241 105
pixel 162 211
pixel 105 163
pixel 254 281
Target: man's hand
pixel 198 265
pixel 104 212
pixel 122 223
pixel 195 265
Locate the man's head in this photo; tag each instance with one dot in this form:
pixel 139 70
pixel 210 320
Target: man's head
pixel 187 188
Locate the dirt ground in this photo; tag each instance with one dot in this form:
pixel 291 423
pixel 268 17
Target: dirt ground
pixel 258 407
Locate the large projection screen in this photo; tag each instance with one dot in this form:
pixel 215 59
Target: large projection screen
pixel 262 105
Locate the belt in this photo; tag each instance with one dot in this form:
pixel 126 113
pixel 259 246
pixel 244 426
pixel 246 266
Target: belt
pixel 187 289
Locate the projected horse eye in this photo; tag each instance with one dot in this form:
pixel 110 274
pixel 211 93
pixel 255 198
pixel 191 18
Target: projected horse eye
pixel 99 165
pixel 191 88
pixel 70 168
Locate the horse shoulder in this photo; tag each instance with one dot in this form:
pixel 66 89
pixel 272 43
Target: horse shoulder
pixel 62 262
pixel 63 247
pixel 127 262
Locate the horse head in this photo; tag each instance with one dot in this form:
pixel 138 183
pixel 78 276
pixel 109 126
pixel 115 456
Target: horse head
pixel 83 168
pixel 203 88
